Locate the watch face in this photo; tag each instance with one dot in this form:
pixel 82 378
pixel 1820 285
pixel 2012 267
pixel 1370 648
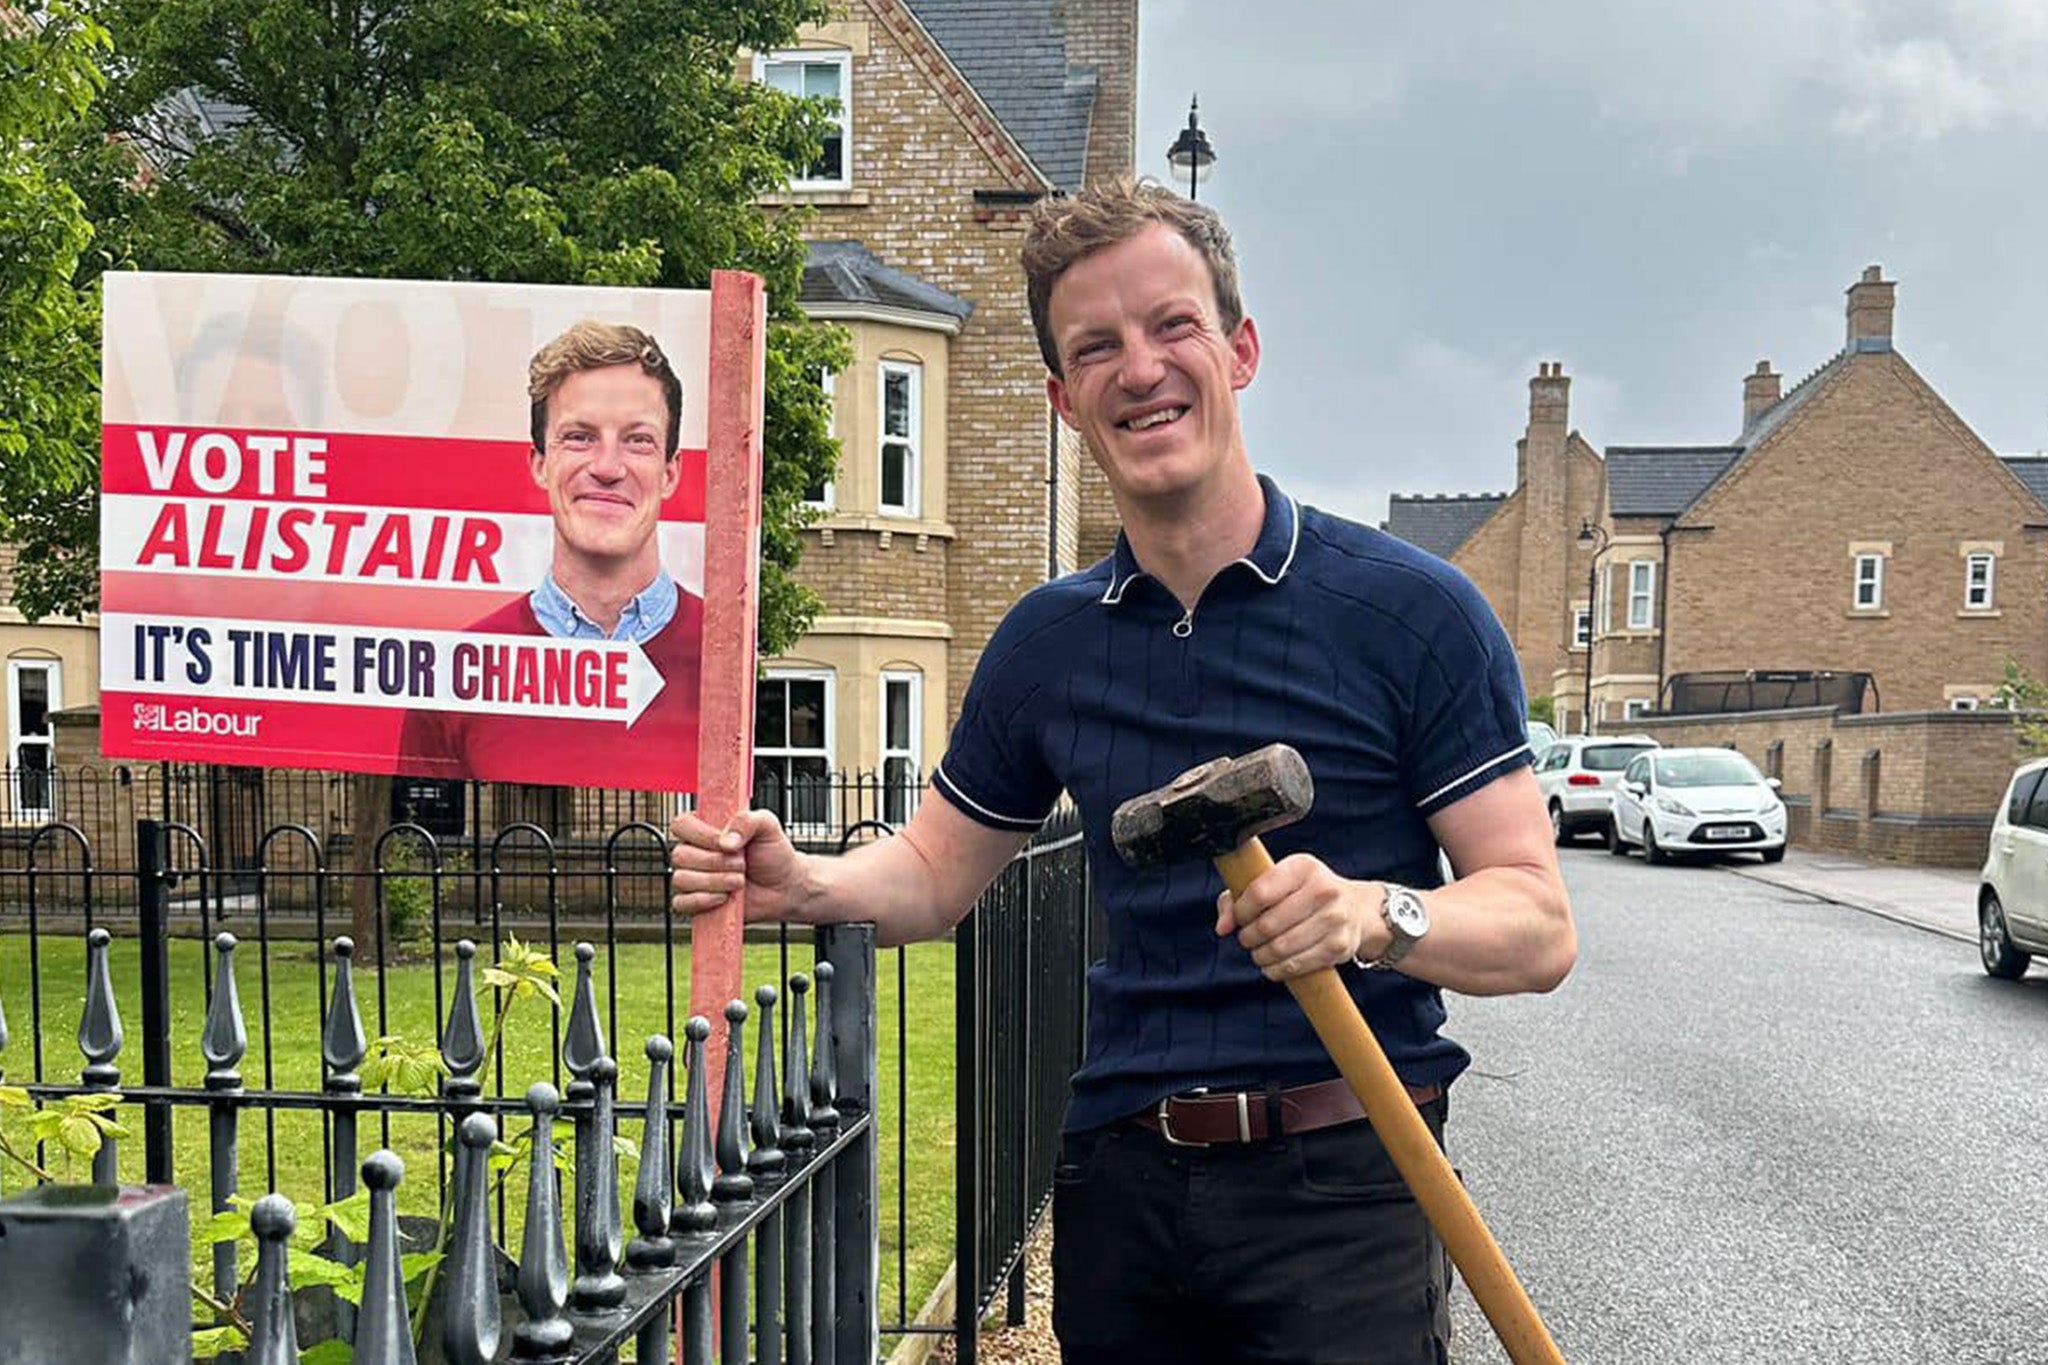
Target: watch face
pixel 1405 909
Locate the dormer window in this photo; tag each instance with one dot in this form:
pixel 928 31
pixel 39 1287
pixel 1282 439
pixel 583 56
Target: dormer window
pixel 809 74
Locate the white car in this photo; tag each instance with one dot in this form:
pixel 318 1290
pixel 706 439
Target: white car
pixel 1683 801
pixel 2012 891
pixel 1576 777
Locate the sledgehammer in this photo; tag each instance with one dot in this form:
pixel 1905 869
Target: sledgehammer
pixel 1218 811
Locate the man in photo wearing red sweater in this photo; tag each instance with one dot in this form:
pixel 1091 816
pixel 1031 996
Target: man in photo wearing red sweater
pixel 607 410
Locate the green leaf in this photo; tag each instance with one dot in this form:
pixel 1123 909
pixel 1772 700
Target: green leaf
pixel 14 1097
pixel 211 1342
pixel 310 1268
pixel 99 1101
pixel 333 1351
pixel 229 1225
pixel 79 1134
pixel 414 1265
pixel 624 1148
pixel 351 1215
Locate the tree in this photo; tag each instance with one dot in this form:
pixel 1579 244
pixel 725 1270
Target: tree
pixel 2027 699
pixel 49 320
pixel 543 141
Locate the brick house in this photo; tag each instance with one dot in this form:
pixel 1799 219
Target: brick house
pixel 1854 524
pixel 957 490
pixel 48 665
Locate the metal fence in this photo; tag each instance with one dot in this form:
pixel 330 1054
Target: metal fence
pixel 1019 975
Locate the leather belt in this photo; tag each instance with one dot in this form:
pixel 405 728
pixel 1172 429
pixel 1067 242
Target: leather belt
pixel 1209 1118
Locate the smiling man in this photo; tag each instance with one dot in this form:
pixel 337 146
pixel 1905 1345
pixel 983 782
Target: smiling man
pixel 1219 1195
pixel 606 420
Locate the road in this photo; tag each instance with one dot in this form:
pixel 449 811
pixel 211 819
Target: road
pixel 1754 1126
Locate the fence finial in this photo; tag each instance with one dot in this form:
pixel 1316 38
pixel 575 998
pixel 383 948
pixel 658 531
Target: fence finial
pixel 99 1027
pixel 225 1038
pixel 733 1183
pixel 654 1193
pixel 473 1320
pixel 273 1337
pixel 824 1115
pixel 543 1262
pixel 597 1198
pixel 583 1043
pixel 342 1044
pixel 694 1210
pixel 796 1126
pixel 766 1160
pixel 462 1037
pixel 383 1331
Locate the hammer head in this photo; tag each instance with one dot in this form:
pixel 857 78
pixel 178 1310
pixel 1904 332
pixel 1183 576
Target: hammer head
pixel 1211 809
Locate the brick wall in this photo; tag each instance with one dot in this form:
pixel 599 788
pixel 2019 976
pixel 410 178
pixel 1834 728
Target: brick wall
pixel 1939 775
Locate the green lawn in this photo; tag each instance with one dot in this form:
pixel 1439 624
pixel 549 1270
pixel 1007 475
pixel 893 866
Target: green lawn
pixel 284 1151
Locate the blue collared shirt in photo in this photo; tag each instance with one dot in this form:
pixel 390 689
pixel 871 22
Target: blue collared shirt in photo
pixel 650 610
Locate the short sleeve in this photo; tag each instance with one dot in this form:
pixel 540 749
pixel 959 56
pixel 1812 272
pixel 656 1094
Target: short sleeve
pixel 1467 714
pixel 994 771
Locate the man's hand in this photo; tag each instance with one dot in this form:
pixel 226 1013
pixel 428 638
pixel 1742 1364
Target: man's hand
pixel 751 853
pixel 1301 917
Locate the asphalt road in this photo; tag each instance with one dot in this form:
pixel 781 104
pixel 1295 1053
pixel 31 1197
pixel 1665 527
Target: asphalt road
pixel 1757 1127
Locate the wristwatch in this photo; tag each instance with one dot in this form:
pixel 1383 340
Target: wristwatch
pixel 1407 920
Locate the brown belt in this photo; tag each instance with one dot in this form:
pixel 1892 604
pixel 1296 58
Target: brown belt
pixel 1204 1119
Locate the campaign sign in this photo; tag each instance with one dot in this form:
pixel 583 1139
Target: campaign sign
pixel 446 530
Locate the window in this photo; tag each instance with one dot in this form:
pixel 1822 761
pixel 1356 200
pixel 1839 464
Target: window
pixel 818 75
pixel 1634 706
pixel 902 745
pixel 34 689
pixel 1869 582
pixel 1962 703
pixel 1603 599
pixel 793 748
pixel 1642 590
pixel 2022 794
pixel 1582 627
pixel 902 434
pixel 819 494
pixel 1978 574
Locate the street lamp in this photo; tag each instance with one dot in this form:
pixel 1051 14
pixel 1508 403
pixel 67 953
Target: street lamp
pixel 1191 151
pixel 1592 538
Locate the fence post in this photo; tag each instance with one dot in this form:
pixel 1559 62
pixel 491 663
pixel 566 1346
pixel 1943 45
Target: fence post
pixel 797 1141
pixel 223 1042
pixel 153 894
pixel 967 1127
pixel 99 1040
pixel 733 1185
pixel 824 1120
pixel 850 949
pixel 765 1164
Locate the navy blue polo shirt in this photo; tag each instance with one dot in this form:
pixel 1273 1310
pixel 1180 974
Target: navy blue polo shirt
pixel 1382 664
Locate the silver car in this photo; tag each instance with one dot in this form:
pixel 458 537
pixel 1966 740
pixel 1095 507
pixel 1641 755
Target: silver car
pixel 2012 891
pixel 1576 777
pixel 1685 801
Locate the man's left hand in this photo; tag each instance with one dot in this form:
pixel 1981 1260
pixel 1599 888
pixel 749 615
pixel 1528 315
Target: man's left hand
pixel 1301 917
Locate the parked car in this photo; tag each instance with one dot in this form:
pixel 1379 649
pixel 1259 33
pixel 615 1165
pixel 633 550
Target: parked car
pixel 2012 891
pixel 1577 775
pixel 1683 801
pixel 1541 736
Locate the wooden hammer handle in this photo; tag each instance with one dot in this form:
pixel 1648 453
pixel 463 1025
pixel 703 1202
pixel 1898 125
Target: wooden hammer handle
pixel 1337 1021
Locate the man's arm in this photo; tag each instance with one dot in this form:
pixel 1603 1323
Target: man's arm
pixel 914 885
pixel 1504 926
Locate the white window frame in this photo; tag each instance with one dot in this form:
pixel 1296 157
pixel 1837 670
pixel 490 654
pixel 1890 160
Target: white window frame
pixel 913 441
pixel 1642 592
pixel 1964 703
pixel 1874 581
pixel 821 57
pixel 829 382
pixel 1603 608
pixel 16 740
pixel 1582 627
pixel 1979 596
pixel 1634 707
pixel 785 751
pixel 911 752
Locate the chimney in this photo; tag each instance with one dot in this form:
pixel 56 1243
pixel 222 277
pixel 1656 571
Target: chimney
pixel 1870 312
pixel 1549 394
pixel 1540 453
pixel 1760 393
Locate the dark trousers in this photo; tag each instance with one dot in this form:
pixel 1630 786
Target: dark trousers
pixel 1307 1249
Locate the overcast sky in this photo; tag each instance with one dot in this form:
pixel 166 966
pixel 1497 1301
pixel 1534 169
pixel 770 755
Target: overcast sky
pixel 1429 199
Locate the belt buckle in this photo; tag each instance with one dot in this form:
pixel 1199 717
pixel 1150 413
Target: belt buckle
pixel 1244 1121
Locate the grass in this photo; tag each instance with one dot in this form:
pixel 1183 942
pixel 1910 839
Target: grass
pixel 283 1150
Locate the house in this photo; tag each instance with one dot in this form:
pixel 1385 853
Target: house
pixel 1855 525
pixel 49 665
pixel 958 490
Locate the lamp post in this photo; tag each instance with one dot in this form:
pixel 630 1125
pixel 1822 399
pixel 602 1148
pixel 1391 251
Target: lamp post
pixel 1191 151
pixel 1592 538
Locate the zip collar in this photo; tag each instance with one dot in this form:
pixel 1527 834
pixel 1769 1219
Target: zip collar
pixel 1272 555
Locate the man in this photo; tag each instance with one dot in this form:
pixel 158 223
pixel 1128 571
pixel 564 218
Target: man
pixel 1227 618
pixel 606 421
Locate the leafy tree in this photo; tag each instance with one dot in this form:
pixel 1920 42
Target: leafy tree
pixel 545 141
pixel 2027 699
pixel 1543 709
pixel 50 74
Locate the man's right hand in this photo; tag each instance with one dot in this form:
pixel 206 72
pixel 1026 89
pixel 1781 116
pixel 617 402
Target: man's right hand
pixel 751 853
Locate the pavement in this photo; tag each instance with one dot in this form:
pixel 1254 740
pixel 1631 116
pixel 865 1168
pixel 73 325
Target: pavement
pixel 1941 900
